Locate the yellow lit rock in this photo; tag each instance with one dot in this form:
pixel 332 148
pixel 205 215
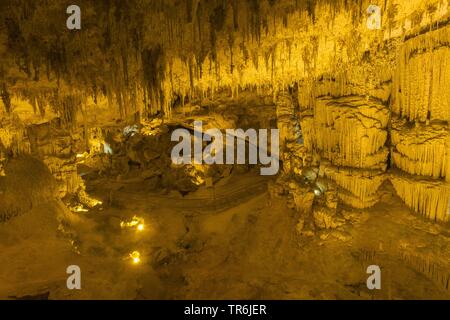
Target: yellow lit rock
pixel 421 88
pixel 351 131
pixel 426 196
pixel 361 185
pixel 135 257
pixel 135 222
pixel 421 149
pixel 357 91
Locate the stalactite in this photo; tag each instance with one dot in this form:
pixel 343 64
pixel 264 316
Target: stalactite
pixel 235 6
pixel 420 87
pixel 6 98
pixel 307 126
pixel 41 103
pixel 351 131
pixel 180 29
pixel 338 87
pixel 153 61
pixel 421 150
pixel 34 104
pixel 307 94
pixel 363 184
pixel 65 172
pixel 189 11
pixel 13 136
pixel 67 107
pixel 355 202
pixel 255 19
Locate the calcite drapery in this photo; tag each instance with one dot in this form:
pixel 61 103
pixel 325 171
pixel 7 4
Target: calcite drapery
pixel 53 144
pixel 360 185
pixel 422 77
pixel 13 137
pixel 428 197
pixel 287 121
pixel 351 131
pixel 420 149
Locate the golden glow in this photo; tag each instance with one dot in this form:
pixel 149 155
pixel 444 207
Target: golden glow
pixel 136 222
pixel 86 199
pixel 78 208
pixel 135 257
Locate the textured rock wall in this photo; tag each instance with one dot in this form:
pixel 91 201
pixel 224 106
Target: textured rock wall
pixel 420 125
pixel 27 183
pixel 421 80
pixel 360 187
pixel 54 145
pixel 47 141
pixel 351 131
pixel 421 149
pixel 398 119
pixel 428 197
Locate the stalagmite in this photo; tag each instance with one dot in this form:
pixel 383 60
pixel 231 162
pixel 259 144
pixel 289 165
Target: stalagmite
pixel 287 121
pixel 65 172
pixel 225 149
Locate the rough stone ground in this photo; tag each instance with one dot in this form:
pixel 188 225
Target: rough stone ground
pixel 192 250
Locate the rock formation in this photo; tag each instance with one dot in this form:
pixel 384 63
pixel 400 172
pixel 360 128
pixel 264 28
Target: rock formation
pixel 87 118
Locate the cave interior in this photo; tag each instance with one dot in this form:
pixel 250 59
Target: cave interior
pixel 355 90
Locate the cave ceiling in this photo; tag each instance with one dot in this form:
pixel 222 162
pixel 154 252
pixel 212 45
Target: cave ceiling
pixel 149 55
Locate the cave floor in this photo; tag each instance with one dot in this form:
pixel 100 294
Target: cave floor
pixel 230 242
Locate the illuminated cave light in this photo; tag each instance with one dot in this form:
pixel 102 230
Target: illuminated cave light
pixel 130 130
pixel 135 257
pixel 356 89
pixel 135 222
pixel 84 203
pixel 107 148
pixel 78 208
pixel 319 189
